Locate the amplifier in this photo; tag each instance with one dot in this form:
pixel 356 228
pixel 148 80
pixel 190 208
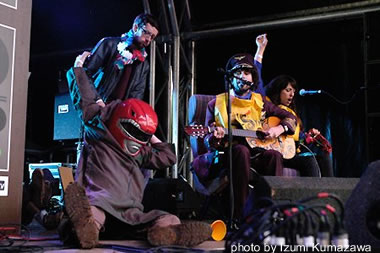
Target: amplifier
pixel 67 123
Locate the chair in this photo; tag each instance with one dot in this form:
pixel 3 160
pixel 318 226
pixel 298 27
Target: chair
pixel 213 188
pixel 197 115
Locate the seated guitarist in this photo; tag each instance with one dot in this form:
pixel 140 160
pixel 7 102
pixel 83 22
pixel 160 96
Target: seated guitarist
pixel 281 91
pixel 250 109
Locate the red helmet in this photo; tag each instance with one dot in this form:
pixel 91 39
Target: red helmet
pixel 133 122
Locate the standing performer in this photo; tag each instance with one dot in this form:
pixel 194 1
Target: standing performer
pixel 117 67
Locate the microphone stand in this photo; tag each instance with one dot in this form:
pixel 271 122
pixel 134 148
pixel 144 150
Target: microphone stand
pixel 232 199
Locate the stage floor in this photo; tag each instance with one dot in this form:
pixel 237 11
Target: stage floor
pixel 41 240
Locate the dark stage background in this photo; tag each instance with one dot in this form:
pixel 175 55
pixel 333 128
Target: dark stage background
pixel 325 55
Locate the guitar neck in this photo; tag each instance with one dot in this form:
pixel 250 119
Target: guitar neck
pixel 242 133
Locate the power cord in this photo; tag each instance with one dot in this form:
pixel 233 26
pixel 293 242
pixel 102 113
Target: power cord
pixel 348 101
pixel 293 223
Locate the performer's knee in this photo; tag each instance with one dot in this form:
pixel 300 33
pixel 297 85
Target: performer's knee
pixel 272 154
pixel 241 152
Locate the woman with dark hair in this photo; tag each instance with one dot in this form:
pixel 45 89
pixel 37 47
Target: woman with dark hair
pixel 281 92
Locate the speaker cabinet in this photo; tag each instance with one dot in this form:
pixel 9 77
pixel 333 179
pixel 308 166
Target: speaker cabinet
pixel 67 124
pixel 172 195
pixel 362 216
pixel 297 188
pixel 15 18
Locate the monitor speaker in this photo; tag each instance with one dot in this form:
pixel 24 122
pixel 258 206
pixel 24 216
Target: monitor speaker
pixel 362 216
pixel 67 124
pixel 297 188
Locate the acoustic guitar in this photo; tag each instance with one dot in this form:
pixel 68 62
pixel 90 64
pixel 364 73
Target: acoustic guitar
pixel 284 144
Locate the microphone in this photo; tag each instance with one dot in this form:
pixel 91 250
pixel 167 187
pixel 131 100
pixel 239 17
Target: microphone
pixel 232 74
pixel 244 81
pixel 304 92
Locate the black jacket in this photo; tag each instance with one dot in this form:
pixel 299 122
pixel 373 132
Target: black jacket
pixel 104 75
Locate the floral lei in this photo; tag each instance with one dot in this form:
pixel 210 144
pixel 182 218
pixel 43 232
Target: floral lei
pixel 125 56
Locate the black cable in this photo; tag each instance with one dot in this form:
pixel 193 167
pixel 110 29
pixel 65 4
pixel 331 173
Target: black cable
pixel 19 227
pixel 248 218
pixel 348 101
pixel 292 232
pixel 329 195
pixel 265 219
pixel 312 154
pixel 324 230
pixel 275 228
pixel 261 216
pixel 255 232
pixel 29 249
pixel 261 222
pixel 311 226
